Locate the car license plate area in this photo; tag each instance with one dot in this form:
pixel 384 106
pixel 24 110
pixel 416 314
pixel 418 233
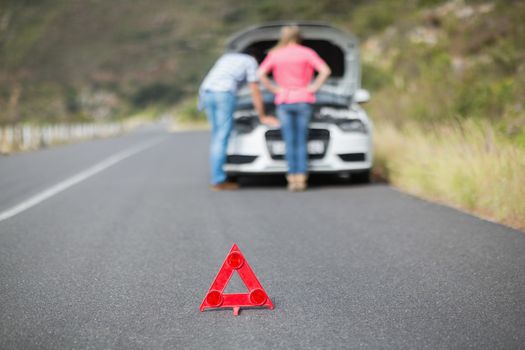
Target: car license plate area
pixel 317 143
pixel 315 147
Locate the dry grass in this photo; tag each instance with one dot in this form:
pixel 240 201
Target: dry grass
pixel 466 165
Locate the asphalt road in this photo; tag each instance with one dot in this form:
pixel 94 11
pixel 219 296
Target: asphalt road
pixel 122 259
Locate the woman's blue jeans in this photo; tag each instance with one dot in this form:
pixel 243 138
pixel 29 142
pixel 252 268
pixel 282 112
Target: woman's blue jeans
pixel 295 118
pixel 219 107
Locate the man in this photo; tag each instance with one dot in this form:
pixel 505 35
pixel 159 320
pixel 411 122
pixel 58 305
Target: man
pixel 218 97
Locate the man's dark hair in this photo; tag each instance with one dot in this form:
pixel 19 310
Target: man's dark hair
pixel 252 51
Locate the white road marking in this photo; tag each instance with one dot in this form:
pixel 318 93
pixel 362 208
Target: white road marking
pixel 75 179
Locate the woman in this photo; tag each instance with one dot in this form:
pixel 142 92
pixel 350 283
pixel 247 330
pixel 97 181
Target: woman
pixel 293 67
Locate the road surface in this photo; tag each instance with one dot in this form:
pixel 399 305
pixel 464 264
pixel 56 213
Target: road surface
pixel 121 256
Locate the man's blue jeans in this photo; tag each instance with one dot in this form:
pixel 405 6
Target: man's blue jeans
pixel 295 118
pixel 219 107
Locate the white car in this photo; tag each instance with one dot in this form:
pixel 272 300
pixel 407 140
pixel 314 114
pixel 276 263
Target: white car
pixel 340 133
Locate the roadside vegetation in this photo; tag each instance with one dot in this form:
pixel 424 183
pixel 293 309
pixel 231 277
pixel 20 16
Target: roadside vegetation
pixel 186 116
pixel 448 105
pixel 446 77
pixel 466 165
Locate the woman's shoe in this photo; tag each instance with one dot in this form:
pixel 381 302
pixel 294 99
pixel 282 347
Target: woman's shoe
pixel 301 182
pixel 292 182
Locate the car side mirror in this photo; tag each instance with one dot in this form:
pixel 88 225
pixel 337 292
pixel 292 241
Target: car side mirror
pixel 362 96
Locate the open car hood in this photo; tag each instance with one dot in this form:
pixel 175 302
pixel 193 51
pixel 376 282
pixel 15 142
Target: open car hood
pixel 339 49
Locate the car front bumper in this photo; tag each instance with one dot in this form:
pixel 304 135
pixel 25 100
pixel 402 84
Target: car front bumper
pixel 345 152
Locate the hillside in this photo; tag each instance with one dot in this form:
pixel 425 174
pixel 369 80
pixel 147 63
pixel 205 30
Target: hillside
pixel 95 59
pixel 452 61
pixel 69 60
pixel 82 60
pixel 448 105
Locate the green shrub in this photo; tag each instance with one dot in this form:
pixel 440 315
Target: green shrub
pixel 374 77
pixel 484 99
pixel 374 16
pixel 156 93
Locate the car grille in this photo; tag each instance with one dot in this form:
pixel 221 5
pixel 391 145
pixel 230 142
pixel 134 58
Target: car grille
pixel 322 135
pixel 240 159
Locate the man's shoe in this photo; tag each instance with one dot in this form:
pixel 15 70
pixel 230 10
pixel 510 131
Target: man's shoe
pixel 225 186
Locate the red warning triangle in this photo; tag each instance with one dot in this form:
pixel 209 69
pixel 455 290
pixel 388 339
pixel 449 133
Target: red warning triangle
pixel 256 296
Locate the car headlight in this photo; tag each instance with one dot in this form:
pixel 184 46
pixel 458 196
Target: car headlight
pixel 245 121
pixel 353 125
pixel 244 125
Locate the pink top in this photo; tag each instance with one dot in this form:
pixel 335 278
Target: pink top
pixel 293 68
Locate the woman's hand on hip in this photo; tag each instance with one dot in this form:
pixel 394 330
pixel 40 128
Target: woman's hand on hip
pixel 313 88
